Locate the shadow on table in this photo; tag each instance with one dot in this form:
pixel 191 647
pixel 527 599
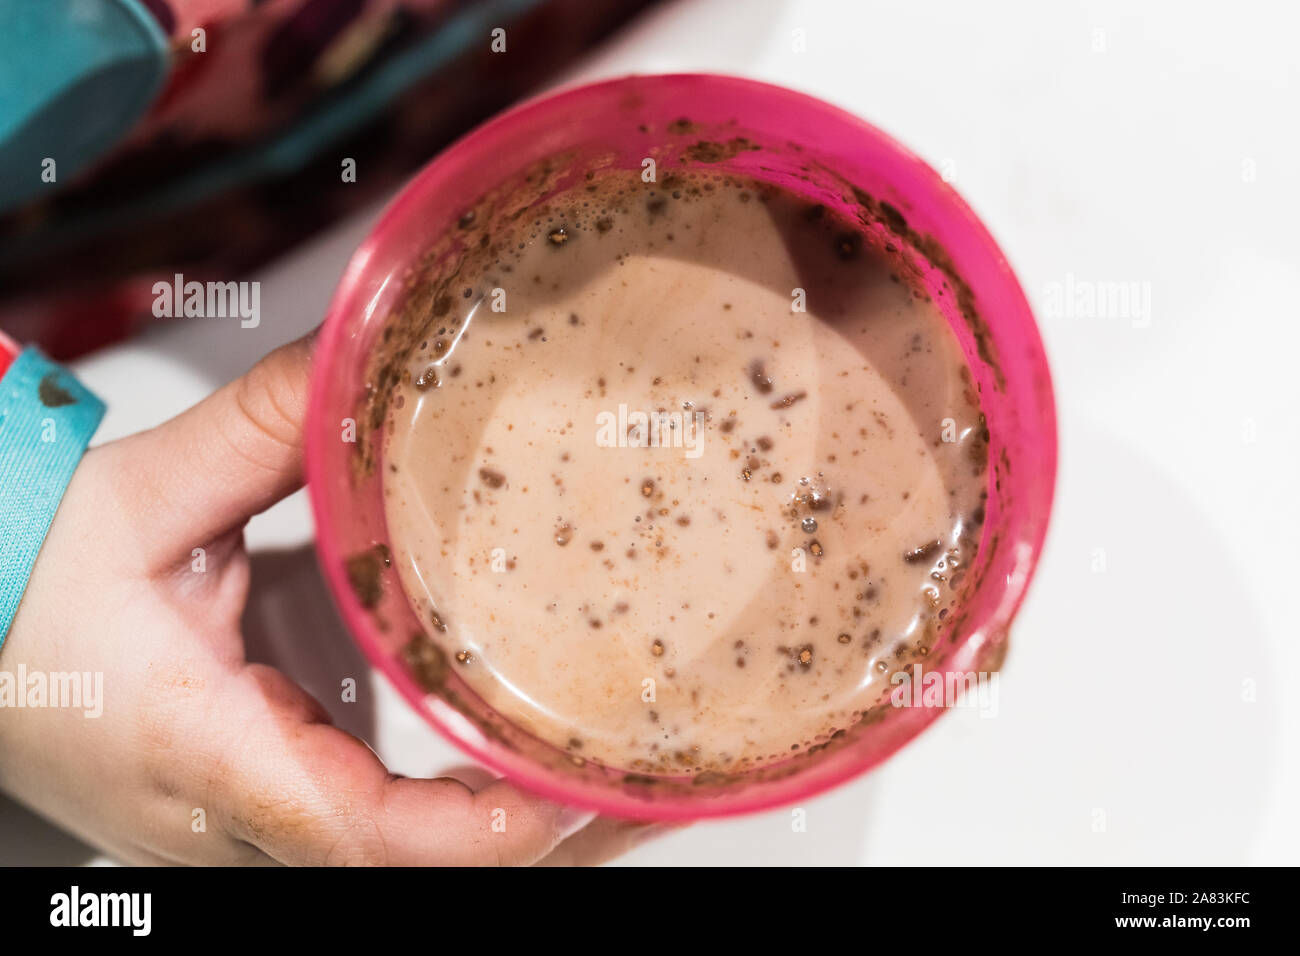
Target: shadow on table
pixel 27 839
pixel 290 623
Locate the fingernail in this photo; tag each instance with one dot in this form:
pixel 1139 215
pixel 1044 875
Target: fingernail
pixel 573 819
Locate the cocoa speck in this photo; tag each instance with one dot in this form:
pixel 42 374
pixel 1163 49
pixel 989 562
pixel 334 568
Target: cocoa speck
pixel 788 400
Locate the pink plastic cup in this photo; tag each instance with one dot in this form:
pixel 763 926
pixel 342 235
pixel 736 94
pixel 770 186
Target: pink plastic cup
pixel 804 146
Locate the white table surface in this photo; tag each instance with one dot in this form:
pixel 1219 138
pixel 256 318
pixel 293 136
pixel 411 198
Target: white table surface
pixel 1110 142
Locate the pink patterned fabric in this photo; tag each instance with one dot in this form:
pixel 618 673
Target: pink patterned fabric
pixel 77 267
pixel 262 62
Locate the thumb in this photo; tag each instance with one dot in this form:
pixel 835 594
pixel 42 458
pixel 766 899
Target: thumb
pixel 234 454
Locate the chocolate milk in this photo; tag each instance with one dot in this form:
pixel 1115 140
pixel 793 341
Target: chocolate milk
pixel 685 474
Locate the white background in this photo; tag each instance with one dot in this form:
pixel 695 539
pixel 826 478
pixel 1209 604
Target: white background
pixel 1111 142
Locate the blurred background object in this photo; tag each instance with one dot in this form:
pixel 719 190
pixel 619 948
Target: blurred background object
pixel 144 138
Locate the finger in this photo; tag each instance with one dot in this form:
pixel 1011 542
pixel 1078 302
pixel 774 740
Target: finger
pixel 600 841
pixel 307 793
pixel 471 775
pixel 605 839
pixel 231 456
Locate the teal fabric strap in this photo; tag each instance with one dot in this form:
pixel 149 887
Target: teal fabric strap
pixel 46 420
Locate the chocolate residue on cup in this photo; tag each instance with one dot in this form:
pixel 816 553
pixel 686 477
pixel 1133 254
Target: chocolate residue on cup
pixel 365 574
pixel 706 151
pixel 427 661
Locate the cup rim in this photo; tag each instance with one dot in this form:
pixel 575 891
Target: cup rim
pixel 351 297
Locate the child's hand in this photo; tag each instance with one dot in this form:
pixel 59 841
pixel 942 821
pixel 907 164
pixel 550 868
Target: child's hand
pixel 187 723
